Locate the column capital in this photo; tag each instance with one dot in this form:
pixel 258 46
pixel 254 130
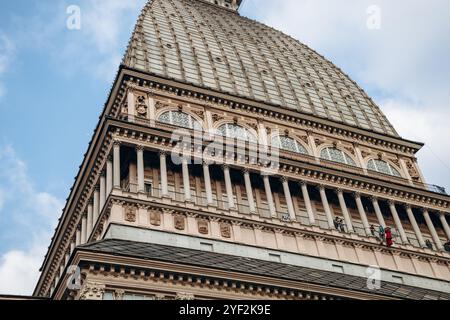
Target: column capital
pixel 139 147
pixel 245 171
pixel 374 198
pixel 407 206
pixel 392 202
pixel 117 143
pixel 284 179
pixel 320 187
pixel 303 183
pixel 225 166
pixel 356 194
pixel 339 191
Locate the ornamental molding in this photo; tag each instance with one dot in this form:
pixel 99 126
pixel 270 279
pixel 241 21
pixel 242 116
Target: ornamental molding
pixel 92 291
pixel 259 110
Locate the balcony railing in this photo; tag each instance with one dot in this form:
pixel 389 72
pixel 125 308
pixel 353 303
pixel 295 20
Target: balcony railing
pixel 264 212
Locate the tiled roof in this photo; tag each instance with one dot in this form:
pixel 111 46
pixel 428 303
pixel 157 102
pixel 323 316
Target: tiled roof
pixel 258 267
pixel 214 48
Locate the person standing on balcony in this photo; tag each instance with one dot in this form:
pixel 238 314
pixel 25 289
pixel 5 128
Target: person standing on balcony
pixel 388 235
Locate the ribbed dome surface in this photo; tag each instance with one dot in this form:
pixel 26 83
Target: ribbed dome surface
pixel 202 44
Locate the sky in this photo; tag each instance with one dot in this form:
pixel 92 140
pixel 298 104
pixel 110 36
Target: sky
pixel 54 81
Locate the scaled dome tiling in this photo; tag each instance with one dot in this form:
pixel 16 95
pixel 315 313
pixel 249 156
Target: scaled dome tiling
pixel 207 46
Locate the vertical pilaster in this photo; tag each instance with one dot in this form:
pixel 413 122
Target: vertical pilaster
pixel 360 157
pixel 109 176
pixel 131 105
pixel 116 164
pixel 96 206
pixel 83 230
pixel 102 200
pixel 90 218
pixel 78 236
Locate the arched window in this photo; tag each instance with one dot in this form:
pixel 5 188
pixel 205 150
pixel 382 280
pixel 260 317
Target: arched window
pixel 336 155
pixel 288 144
pixel 235 131
pixel 383 167
pixel 180 119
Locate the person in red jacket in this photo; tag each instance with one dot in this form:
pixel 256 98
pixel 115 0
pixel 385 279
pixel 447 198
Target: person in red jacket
pixel 388 233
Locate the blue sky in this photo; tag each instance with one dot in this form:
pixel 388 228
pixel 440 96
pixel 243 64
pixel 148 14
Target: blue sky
pixel 54 82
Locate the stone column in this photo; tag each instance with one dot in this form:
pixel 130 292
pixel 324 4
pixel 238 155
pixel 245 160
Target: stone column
pixel 307 199
pixel 415 226
pixel 378 213
pixel 326 206
pixel 140 168
pixel 269 195
pixel 102 199
pixel 229 187
pixel 116 164
pixel 362 213
pixel 398 222
pixel 208 187
pixel 347 218
pixel 163 172
pixel 287 194
pixel 83 230
pixel 445 224
pixel 96 208
pixel 186 180
pixel 90 218
pixel 434 235
pixel 109 175
pixel 249 191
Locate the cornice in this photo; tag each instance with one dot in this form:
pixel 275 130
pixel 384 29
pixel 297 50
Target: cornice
pixel 88 256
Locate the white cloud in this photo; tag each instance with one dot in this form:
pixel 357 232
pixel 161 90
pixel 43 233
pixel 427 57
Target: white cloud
pixel 27 219
pixel 19 270
pixel 403 65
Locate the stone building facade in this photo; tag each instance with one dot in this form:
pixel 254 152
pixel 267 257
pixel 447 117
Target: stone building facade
pixel 232 161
